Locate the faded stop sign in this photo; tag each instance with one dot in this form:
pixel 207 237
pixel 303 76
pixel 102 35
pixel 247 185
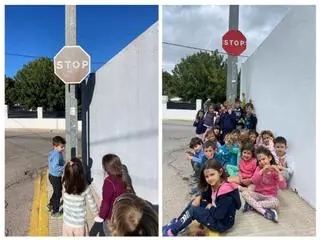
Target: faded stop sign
pixel 72 64
pixel 234 42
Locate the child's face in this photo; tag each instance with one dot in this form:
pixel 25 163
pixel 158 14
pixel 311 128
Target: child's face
pixel 210 136
pixel 212 176
pixel 228 139
pixel 253 137
pixel 280 149
pixel 263 160
pixel 211 110
pixel 266 139
pixel 209 152
pixel 197 148
pixel 246 155
pixel 235 136
pixel 216 131
pixel 59 147
pixel 249 110
pixel 237 104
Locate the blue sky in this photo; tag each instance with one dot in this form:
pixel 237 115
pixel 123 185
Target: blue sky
pixel 101 30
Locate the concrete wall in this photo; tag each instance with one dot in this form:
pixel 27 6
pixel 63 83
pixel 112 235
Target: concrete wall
pixel 124 114
pixel 34 123
pixel 179 114
pixel 280 77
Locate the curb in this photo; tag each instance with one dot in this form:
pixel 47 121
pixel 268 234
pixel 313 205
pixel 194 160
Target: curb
pixel 39 219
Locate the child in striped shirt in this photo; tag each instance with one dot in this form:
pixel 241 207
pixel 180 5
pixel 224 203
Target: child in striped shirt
pixel 74 204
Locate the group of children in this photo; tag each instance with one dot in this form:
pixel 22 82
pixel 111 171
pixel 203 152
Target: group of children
pixel 227 162
pixel 119 202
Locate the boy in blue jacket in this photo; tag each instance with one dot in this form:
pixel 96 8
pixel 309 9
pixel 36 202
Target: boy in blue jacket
pixel 56 166
pixel 228 119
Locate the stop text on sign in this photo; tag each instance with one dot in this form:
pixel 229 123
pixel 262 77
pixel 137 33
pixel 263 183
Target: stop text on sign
pixel 234 43
pixel 72 64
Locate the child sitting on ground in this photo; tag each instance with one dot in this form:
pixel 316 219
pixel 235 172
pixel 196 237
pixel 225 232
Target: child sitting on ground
pixel 210 135
pixel 266 140
pixel 195 155
pixel 215 208
pixel 247 167
pixel 281 158
pixel 266 178
pixel 253 135
pixel 229 154
pixel 217 132
pixel 199 124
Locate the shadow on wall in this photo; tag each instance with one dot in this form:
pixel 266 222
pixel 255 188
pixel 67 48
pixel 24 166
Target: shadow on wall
pixel 87 89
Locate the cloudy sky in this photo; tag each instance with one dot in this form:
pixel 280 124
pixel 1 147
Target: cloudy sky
pixel 203 27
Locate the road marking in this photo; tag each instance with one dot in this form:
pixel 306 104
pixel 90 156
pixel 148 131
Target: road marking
pixel 39 220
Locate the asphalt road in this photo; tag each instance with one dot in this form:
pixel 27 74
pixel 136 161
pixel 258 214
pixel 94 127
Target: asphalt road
pixel 25 154
pixel 296 217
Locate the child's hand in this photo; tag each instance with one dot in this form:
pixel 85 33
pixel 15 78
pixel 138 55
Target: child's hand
pixel 209 206
pixel 189 157
pixel 196 202
pixel 246 181
pixel 98 219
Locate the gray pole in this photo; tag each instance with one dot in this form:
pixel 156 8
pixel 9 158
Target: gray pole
pixel 71 101
pixel 232 60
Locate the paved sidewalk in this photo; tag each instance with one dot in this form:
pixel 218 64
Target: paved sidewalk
pixel 296 217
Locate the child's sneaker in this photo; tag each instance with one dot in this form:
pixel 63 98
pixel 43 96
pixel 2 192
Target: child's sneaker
pixel 49 207
pixel 166 231
pixel 247 208
pixel 271 214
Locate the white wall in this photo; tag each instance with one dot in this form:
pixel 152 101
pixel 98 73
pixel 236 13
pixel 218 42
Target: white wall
pixel 280 77
pixel 179 114
pixel 124 114
pixel 36 123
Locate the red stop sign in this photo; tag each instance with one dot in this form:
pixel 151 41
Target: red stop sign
pixel 234 42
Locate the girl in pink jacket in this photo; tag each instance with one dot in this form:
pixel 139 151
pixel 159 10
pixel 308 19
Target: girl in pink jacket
pixel 267 179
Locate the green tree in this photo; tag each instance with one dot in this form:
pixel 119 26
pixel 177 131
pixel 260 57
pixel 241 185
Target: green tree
pixel 200 76
pixel 10 94
pixel 37 86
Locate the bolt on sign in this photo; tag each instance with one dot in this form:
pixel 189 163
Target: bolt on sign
pixel 72 64
pixel 234 42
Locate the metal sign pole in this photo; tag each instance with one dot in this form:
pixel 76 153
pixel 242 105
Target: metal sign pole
pixel 232 60
pixel 70 98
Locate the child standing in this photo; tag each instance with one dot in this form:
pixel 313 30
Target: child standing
pixel 215 208
pixel 199 124
pixel 209 117
pixel 56 165
pixel 74 199
pixel 133 216
pixel 266 178
pixel 240 115
pixel 114 185
pixel 228 120
pixel 281 158
pixel 250 118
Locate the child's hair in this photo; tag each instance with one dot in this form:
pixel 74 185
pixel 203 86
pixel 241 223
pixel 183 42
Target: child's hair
pixel 252 131
pixel 248 147
pixel 73 178
pixel 112 165
pixel 209 132
pixel 195 141
pixel 249 105
pixel 237 131
pixel 210 143
pixel 281 140
pixel 229 135
pixel 198 113
pixel 216 127
pixel 268 132
pixel 211 164
pixel 132 216
pixel 227 103
pixel 267 152
pixel 57 140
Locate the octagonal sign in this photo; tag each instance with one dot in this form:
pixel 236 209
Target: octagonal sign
pixel 234 42
pixel 72 64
